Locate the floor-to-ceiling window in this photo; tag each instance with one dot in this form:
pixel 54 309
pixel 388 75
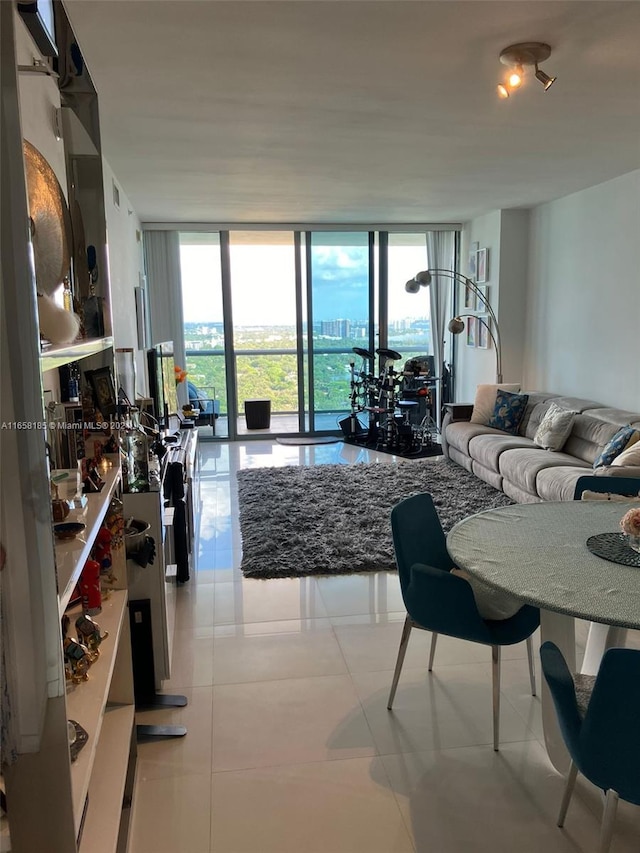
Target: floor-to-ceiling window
pixel 277 315
pixel 204 335
pixel 340 314
pixel 263 296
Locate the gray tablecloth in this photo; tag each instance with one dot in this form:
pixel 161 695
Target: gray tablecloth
pixel 538 553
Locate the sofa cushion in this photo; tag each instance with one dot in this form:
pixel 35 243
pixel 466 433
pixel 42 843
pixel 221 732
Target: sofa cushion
pixel 554 428
pixel 558 483
pixel 486 449
pixel 588 437
pixel 626 437
pixel 489 475
pixel 616 416
pixel 485 401
pixel 576 404
pixel 521 466
pixel 535 397
pixel 629 456
pixel 460 433
pixel 508 411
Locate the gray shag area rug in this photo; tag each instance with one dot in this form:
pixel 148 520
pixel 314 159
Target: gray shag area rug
pixel 335 519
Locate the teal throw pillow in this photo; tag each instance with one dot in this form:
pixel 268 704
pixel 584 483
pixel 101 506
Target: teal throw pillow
pixel 615 446
pixel 508 411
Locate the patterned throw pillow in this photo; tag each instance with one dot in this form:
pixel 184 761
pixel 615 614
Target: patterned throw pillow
pixel 508 411
pixel 554 428
pixel 627 436
pixel 485 401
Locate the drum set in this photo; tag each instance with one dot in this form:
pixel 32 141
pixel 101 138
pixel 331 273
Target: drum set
pixel 392 421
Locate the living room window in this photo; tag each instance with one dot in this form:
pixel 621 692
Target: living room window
pixel 275 314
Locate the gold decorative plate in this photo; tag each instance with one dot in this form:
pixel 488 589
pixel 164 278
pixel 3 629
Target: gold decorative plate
pixel 51 223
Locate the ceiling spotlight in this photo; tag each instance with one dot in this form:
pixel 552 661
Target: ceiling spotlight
pixel 546 81
pixel 519 56
pixel 515 78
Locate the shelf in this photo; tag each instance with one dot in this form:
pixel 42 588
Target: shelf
pixel 106 791
pixel 86 702
pixel 72 555
pixel 56 356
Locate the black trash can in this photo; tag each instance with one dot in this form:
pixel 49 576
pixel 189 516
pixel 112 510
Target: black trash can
pixel 258 414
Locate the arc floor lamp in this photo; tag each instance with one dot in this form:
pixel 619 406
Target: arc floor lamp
pixel 456 324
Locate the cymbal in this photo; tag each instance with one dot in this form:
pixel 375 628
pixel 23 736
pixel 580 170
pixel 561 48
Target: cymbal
pixel 363 353
pixel 51 223
pixel 407 404
pixel 391 354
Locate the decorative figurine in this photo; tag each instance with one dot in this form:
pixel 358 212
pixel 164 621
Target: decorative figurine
pixel 78 659
pixel 90 588
pixel 89 635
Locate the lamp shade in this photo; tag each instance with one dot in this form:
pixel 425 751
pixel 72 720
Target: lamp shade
pixel 456 325
pixel 412 286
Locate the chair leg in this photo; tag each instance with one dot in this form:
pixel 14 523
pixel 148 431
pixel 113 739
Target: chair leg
pixel 432 650
pixel 568 791
pixel 608 821
pixel 532 671
pixel 404 640
pixel 495 672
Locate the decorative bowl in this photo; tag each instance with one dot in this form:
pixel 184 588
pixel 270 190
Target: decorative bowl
pixel 67 529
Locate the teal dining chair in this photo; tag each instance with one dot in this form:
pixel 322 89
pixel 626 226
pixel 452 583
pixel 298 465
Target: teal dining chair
pixel 443 603
pixel 604 743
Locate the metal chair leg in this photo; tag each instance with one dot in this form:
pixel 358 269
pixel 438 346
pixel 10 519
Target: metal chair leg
pixel 532 670
pixel 495 672
pixel 568 791
pixel 432 650
pixel 608 821
pixel 404 640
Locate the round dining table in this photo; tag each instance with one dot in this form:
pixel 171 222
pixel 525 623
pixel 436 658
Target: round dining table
pixel 538 553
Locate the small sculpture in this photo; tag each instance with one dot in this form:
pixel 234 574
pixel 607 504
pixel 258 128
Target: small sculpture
pixel 89 635
pixel 77 660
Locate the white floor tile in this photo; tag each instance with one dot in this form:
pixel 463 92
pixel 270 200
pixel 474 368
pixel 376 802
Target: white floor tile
pixel 178 756
pixel 475 799
pixel 447 708
pixel 292 721
pixel 172 815
pixel 325 807
pixel 266 657
pixel 253 600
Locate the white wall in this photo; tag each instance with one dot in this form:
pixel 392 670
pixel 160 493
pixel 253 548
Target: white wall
pixel 124 243
pixel 583 305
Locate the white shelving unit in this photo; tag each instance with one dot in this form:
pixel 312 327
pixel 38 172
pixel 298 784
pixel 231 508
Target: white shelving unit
pixel 54 804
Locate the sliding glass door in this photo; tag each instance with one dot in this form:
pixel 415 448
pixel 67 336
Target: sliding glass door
pixel 339 318
pixel 204 333
pixel 275 315
pixel 262 273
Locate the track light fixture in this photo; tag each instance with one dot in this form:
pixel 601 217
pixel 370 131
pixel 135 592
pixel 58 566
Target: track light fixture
pixel 517 57
pixel 544 78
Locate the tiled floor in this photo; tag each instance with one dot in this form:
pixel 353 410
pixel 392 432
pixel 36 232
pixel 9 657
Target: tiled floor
pixel 290 748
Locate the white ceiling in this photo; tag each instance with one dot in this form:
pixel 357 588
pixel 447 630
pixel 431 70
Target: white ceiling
pixel 356 111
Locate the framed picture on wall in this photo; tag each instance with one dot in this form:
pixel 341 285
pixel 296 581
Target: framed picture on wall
pixel 471 331
pixel 481 306
pixel 483 337
pixel 473 271
pixel 469 299
pixel 483 265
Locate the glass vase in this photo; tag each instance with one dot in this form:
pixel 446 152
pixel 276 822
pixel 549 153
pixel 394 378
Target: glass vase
pixel 633 542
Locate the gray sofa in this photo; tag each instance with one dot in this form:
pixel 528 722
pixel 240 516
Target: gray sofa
pixel 520 468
